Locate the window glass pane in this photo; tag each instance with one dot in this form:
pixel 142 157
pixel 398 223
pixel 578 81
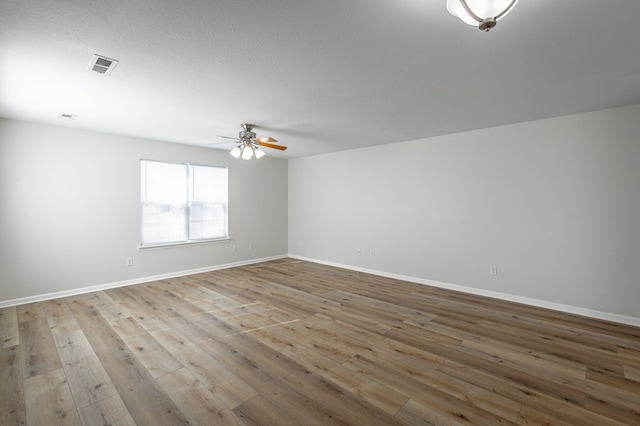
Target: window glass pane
pixel 164 202
pixel 164 182
pixel 209 184
pixel 163 223
pixel 208 218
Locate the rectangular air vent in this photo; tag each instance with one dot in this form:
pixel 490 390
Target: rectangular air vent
pixel 67 117
pixel 102 64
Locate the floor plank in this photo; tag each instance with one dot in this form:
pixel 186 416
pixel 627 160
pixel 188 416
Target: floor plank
pixel 196 401
pixel 49 401
pixel 38 350
pixel 9 335
pixel 88 381
pixel 109 411
pixel 12 404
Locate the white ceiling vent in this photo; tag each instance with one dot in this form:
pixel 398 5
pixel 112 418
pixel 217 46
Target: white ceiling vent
pixel 67 117
pixel 102 64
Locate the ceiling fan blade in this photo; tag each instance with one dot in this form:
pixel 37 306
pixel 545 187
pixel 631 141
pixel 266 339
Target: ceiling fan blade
pixel 223 142
pixel 267 140
pixel 270 145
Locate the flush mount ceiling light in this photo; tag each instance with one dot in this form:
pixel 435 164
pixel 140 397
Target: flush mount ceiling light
pixel 481 13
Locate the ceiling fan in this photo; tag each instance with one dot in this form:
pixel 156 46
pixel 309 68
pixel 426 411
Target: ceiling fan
pixel 249 145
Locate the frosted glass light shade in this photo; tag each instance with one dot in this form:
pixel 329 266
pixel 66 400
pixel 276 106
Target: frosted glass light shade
pixel 482 8
pixel 259 153
pixel 247 153
pixel 235 152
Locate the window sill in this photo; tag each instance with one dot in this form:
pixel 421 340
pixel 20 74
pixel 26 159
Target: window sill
pixel 185 243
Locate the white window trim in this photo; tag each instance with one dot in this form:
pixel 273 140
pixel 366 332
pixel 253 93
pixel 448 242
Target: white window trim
pixel 159 246
pixel 156 246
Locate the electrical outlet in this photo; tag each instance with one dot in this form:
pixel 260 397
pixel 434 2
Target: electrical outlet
pixel 129 261
pixel 250 246
pixel 372 253
pixel 235 248
pixel 493 270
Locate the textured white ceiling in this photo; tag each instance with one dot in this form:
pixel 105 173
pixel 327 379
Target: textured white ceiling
pixel 319 76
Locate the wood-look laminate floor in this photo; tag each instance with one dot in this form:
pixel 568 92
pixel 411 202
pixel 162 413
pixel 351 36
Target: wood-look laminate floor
pixel 290 342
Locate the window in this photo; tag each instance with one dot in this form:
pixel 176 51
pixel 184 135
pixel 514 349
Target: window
pixel 182 203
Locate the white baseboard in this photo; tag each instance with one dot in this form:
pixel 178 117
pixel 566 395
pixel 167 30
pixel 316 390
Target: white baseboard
pixel 622 319
pixel 141 280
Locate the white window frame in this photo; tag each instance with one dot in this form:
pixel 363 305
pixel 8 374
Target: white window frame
pixel 186 205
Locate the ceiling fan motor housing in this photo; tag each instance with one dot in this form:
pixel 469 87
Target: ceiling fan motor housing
pixel 247 134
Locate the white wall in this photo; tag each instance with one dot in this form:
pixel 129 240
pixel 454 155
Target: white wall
pixel 554 204
pixel 69 209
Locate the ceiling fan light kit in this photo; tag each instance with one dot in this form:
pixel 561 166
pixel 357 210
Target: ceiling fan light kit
pixel 249 145
pixel 481 13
